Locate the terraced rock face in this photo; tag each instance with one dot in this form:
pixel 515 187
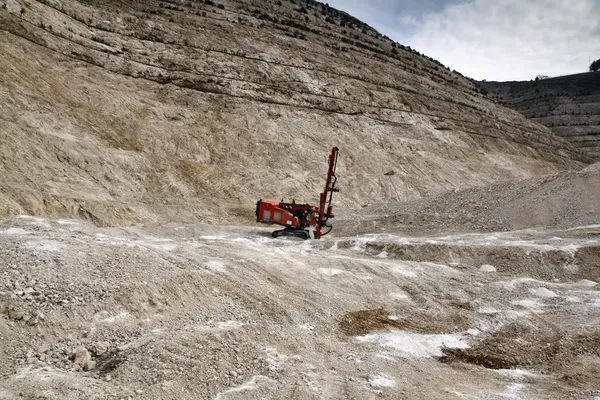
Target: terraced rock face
pixel 122 112
pixel 568 105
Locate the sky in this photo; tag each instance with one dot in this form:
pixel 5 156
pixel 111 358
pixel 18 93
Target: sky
pixel 496 40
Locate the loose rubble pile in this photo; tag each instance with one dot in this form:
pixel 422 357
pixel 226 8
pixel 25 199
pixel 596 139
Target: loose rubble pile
pixel 564 200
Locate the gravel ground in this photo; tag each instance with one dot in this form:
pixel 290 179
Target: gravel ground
pixel 188 312
pixel 563 200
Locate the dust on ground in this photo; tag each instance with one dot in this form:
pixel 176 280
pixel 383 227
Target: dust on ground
pixel 545 347
pixel 198 311
pixel 362 322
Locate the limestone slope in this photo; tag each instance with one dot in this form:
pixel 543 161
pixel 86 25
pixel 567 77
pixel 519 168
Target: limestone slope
pixel 124 112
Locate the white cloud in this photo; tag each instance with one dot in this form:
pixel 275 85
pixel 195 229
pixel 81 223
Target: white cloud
pixel 409 20
pixel 512 39
pixel 491 39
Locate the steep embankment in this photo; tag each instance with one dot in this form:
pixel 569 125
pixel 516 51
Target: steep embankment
pixel 120 112
pixel 568 105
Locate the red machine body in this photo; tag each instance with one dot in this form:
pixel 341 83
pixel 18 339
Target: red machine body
pixel 302 220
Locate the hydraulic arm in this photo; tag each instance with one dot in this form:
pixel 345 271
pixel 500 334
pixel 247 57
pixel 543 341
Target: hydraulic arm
pixel 302 220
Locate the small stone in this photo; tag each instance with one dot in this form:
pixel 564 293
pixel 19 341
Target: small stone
pixel 233 373
pixel 26 317
pixel 29 290
pixel 101 348
pixel 487 268
pixel 139 391
pixel 89 366
pixel 33 321
pixel 81 356
pixel 44 349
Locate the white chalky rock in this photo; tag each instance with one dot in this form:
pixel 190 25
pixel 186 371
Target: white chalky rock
pixel 487 268
pixel 82 357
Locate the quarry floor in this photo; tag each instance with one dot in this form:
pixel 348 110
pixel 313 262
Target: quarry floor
pixel 226 312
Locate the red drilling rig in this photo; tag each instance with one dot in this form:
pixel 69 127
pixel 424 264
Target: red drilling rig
pixel 302 220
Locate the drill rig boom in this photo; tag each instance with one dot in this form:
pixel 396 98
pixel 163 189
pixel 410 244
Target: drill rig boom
pixel 302 220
